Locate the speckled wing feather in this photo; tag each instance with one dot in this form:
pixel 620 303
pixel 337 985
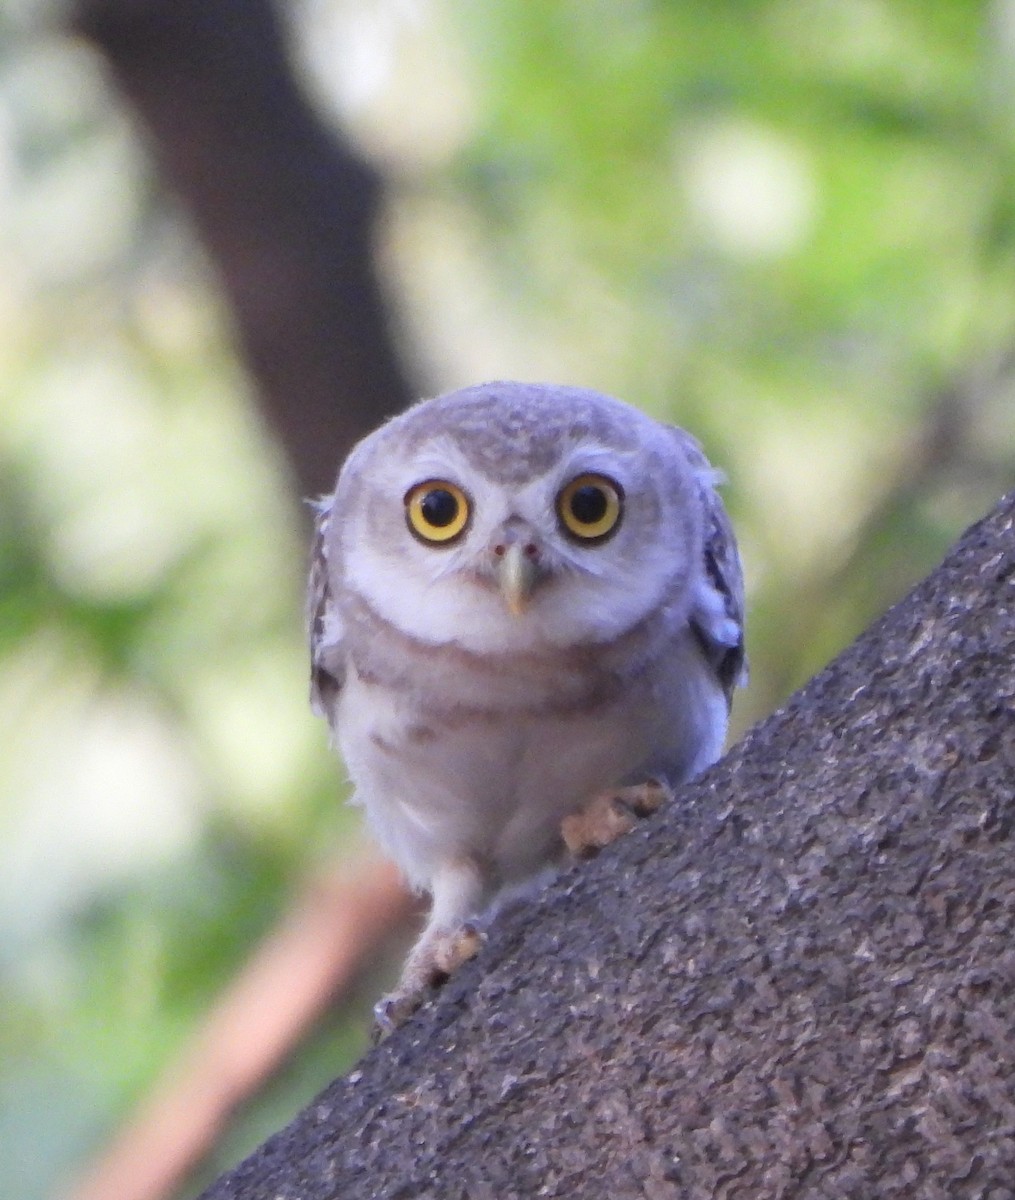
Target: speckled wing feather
pixel 721 634
pixel 722 563
pixel 323 630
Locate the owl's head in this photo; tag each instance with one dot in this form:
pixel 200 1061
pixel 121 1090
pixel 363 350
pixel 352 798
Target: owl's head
pixel 510 515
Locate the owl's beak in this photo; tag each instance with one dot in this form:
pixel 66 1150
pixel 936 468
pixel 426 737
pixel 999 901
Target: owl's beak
pixel 518 572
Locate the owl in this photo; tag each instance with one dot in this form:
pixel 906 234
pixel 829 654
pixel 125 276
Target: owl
pixel 526 625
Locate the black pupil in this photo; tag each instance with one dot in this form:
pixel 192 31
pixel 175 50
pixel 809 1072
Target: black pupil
pixel 439 508
pixel 588 504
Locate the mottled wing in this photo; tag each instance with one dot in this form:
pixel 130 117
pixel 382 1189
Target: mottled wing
pixel 722 565
pixel 327 668
pixel 717 616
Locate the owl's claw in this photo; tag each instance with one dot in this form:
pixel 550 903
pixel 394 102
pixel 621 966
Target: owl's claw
pixel 453 949
pixel 610 815
pixel 430 967
pixel 390 1011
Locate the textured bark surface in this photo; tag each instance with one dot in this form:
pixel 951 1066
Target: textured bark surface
pixel 798 980
pixel 285 208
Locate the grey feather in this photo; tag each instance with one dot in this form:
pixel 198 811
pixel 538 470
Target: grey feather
pixel 719 627
pixel 724 648
pixel 327 668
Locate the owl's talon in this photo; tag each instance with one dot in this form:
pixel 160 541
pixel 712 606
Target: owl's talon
pixel 455 948
pixel 440 959
pixel 393 1010
pixel 645 798
pixel 610 815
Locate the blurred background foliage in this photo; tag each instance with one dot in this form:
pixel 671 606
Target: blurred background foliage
pixel 786 224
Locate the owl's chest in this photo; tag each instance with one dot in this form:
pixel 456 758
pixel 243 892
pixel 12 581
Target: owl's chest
pixel 489 755
pixel 496 779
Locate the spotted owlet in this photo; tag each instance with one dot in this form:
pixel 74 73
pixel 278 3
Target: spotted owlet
pixel 526 625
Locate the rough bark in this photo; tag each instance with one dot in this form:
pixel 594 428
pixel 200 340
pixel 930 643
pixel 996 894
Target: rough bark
pixel 799 980
pixel 285 208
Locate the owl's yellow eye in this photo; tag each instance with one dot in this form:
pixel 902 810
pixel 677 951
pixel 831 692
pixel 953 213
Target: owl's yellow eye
pixel 436 511
pixel 590 506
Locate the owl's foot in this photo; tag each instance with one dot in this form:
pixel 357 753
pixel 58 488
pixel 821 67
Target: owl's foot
pixel 431 964
pixel 453 949
pixel 610 815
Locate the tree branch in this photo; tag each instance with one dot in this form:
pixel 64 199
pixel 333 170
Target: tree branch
pixel 799 980
pixel 285 209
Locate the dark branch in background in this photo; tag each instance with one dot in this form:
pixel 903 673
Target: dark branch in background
pixel 287 213
pixel 798 980
pixel 285 208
